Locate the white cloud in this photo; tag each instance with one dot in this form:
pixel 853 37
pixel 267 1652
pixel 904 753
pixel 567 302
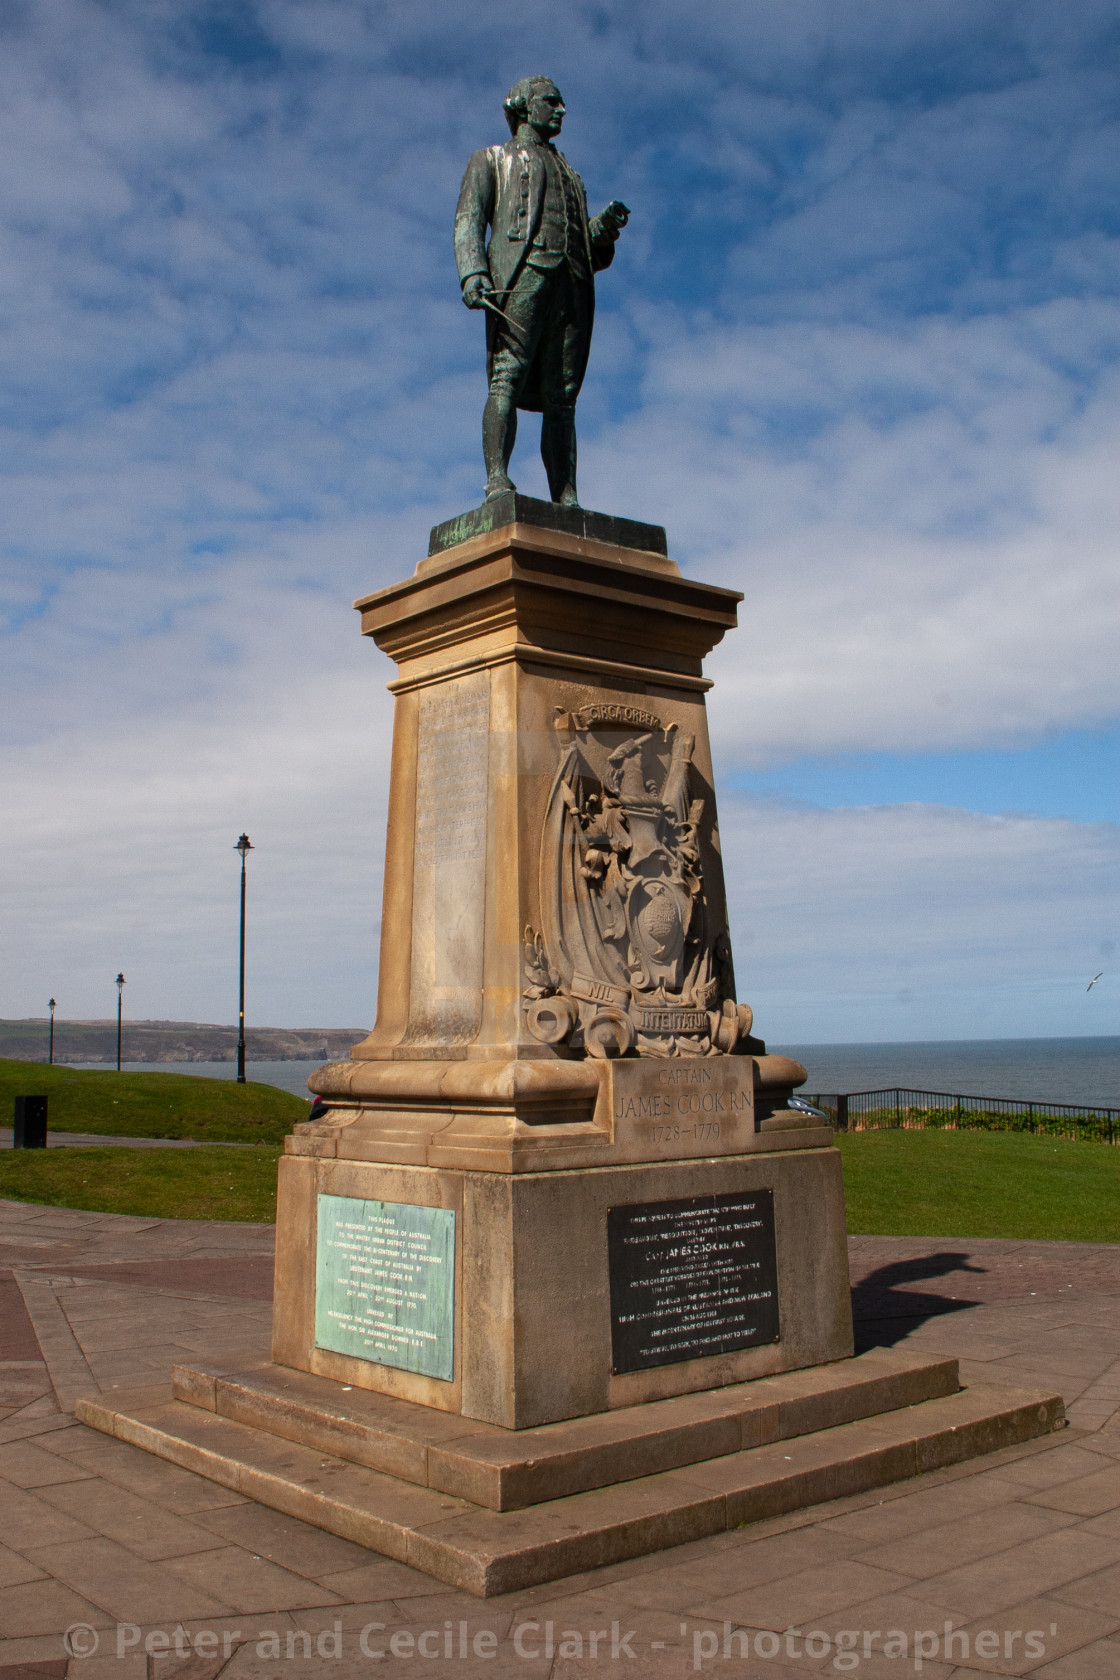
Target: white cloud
pixel 928 558
pixel 118 835
pixel 915 921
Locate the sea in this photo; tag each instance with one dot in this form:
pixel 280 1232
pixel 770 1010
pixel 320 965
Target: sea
pixel 1057 1070
pixel 1069 1070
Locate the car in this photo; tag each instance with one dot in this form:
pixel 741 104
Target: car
pixel 802 1105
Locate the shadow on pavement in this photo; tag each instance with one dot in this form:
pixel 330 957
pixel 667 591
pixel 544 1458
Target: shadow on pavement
pixel 885 1312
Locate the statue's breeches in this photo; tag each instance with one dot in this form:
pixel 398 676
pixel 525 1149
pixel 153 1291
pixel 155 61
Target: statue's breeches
pixel 540 360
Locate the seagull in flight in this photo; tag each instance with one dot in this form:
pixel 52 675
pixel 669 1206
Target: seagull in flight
pixel 1093 981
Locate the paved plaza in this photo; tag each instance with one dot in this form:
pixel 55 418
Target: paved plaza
pixel 1008 1565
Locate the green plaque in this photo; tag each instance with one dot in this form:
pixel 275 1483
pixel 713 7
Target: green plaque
pixel 385 1283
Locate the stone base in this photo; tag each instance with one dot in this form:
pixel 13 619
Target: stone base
pixel 631 535
pixel 492 1511
pixel 532 1313
pixel 539 1116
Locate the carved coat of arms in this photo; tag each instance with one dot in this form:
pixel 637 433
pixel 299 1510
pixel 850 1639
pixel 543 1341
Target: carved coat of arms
pixel 626 960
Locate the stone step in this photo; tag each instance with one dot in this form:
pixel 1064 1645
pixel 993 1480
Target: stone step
pixel 486 1552
pixel 507 1470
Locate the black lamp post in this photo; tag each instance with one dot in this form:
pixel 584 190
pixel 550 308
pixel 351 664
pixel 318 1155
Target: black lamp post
pixel 243 846
pixel 120 995
pixel 50 1052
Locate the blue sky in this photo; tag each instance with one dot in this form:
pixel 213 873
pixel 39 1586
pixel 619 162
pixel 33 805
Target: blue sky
pixel 1075 774
pixel 859 352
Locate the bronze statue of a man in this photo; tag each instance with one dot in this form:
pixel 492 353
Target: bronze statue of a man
pixel 534 280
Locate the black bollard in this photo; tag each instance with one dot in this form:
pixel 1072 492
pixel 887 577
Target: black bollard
pixel 30 1130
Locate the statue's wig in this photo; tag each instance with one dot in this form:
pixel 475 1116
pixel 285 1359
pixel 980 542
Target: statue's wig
pixel 516 106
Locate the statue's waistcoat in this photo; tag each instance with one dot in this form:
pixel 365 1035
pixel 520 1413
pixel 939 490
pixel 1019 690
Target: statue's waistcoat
pixel 506 187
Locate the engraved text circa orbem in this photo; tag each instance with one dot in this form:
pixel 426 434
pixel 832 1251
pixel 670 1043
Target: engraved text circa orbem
pixel 691 1278
pixel 449 874
pixel 385 1283
pixel 451 775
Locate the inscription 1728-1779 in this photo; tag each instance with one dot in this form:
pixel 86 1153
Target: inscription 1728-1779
pixel 691 1278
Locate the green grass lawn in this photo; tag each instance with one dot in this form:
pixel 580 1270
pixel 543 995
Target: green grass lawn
pixel 171 1105
pixel 155 1183
pixel 898 1183
pixel 981 1184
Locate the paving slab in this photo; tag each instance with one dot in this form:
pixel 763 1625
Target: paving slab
pixel 679 1586
pixel 1085 1496
pixel 122 1583
pixel 1094 1661
pixel 30 1521
pixel 1055 1627
pixel 802 1596
pixel 15 1569
pixel 45 1606
pixel 249 1582
pixel 1108 1524
pixel 28 1466
pixel 308 1551
pixel 143 1526
pixel 119 1465
pixel 985 1586
pixel 928 1550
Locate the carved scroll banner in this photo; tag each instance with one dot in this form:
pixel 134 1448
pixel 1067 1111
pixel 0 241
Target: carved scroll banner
pixel 385 1283
pixel 691 1278
pixel 449 875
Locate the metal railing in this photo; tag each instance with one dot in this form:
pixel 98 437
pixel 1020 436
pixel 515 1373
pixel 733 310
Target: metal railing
pixel 899 1108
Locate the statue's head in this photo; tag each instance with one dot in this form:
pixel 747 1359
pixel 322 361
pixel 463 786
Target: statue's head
pixel 535 100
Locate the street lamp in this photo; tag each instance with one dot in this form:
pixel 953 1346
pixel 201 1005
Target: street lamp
pixel 243 846
pixel 50 1052
pixel 120 995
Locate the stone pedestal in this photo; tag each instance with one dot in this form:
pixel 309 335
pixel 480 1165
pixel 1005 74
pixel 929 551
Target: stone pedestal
pixel 559 1277
pixel 535 668
pixel 558 1033
pixel 531 1296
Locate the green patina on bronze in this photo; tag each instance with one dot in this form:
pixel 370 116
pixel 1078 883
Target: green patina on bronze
pixel 513 508
pixel 534 279
pixel 385 1283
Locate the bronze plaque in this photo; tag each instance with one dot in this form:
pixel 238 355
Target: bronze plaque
pixel 691 1278
pixel 385 1283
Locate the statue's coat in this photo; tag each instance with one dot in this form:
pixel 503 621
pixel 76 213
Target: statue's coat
pixel 503 189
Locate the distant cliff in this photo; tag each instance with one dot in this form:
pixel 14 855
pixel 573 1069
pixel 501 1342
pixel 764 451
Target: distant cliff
pixel 173 1041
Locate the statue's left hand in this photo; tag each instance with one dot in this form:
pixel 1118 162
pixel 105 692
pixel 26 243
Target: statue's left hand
pixel 616 214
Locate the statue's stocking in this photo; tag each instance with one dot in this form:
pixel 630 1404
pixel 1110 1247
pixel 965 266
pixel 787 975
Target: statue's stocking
pixel 499 433
pixel 558 451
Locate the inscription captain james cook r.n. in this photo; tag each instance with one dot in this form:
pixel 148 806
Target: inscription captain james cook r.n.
pixel 691 1105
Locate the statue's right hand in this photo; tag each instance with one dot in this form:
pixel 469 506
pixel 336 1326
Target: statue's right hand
pixel 475 290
